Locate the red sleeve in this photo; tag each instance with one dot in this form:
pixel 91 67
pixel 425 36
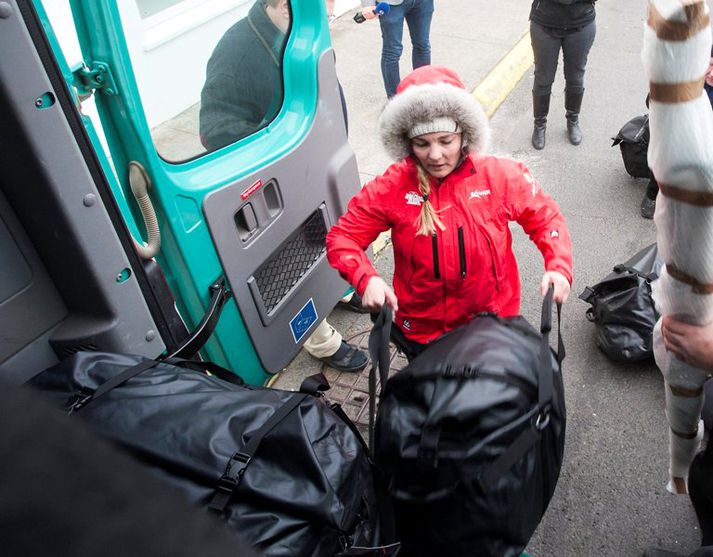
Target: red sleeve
pixel 540 217
pixel 367 216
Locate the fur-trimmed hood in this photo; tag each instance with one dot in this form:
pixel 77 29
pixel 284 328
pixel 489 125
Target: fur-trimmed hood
pixel 427 93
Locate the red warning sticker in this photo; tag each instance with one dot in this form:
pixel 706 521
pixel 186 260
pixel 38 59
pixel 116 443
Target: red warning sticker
pixel 251 190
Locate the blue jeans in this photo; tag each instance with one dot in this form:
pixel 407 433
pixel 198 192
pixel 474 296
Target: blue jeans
pixel 418 14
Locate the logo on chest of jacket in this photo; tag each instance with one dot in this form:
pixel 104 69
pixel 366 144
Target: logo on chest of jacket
pixel 413 198
pixel 407 324
pixel 477 194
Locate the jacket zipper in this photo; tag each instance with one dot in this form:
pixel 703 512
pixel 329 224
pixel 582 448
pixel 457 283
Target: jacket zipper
pixel 434 243
pixel 461 252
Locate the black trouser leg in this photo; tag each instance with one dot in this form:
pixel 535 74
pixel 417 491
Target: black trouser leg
pixel 575 50
pixel 407 347
pixel 700 490
pixel 652 188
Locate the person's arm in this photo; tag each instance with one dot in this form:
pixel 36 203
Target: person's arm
pixel 367 9
pixel 542 221
pixel 367 216
pixel 230 110
pixel 692 344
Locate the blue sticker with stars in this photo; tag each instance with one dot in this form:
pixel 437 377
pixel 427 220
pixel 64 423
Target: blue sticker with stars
pixel 304 319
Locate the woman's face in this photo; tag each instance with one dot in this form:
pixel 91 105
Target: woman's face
pixel 438 152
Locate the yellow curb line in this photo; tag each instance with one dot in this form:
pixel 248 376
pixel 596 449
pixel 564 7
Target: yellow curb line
pixel 492 91
pixel 500 82
pixel 381 242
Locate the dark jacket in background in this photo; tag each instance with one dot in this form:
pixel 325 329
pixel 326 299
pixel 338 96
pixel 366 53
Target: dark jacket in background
pixel 243 87
pixel 562 14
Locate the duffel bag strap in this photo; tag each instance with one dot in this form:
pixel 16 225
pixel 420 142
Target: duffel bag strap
pixel 532 434
pixel 650 277
pixel 214 369
pixel 315 385
pixel 381 359
pixel 85 396
pixel 238 463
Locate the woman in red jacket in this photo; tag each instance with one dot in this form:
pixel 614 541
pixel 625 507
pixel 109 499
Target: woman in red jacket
pixel 448 207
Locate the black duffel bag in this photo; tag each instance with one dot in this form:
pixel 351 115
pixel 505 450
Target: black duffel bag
pixel 633 140
pixel 288 473
pixel 470 437
pixel 622 307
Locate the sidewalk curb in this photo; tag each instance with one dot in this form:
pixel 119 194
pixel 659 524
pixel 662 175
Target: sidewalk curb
pixel 503 78
pixel 491 92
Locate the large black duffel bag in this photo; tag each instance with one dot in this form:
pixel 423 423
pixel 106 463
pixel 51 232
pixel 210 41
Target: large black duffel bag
pixel 470 436
pixel 622 307
pixel 289 473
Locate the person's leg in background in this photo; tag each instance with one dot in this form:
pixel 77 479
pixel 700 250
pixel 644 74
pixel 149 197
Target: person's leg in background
pixel 700 490
pixel 392 31
pixel 545 47
pixel 648 203
pixel 327 345
pixel 418 19
pixel 575 50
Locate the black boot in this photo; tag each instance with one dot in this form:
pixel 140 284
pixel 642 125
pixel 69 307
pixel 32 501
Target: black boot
pixel 540 108
pixel 572 104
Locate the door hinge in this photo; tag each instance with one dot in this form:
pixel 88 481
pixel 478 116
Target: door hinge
pixel 94 77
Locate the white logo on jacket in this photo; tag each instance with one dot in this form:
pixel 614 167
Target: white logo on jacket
pixel 477 194
pixel 531 181
pixel 413 198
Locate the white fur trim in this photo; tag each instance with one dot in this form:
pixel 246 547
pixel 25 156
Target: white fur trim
pixel 428 102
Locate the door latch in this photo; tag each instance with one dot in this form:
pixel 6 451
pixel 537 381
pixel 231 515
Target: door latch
pixel 96 77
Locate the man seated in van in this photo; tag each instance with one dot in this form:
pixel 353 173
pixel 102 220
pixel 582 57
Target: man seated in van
pixel 242 94
pixel 243 88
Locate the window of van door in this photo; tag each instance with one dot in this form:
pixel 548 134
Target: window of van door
pixel 209 72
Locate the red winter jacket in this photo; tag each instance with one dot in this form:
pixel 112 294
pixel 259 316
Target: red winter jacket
pixel 442 281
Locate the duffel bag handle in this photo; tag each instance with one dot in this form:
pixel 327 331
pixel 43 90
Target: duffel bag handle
pixel 546 322
pixel 381 359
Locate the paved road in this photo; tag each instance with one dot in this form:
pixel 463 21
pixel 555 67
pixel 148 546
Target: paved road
pixel 610 500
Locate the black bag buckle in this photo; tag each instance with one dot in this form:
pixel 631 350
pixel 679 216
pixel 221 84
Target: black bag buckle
pixel 542 420
pixel 234 471
pixel 229 481
pixel 78 400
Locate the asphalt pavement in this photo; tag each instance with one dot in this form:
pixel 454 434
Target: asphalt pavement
pixel 611 498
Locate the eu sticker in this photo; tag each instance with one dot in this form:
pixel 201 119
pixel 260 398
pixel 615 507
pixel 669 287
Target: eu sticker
pixel 304 319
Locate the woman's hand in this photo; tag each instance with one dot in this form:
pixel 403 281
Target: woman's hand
pixel 560 283
pixel 377 293
pixel 692 344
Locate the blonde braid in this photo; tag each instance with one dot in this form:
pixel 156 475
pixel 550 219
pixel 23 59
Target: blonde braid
pixel 427 220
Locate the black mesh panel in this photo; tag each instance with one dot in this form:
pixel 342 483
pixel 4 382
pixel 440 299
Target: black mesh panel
pixel 276 276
